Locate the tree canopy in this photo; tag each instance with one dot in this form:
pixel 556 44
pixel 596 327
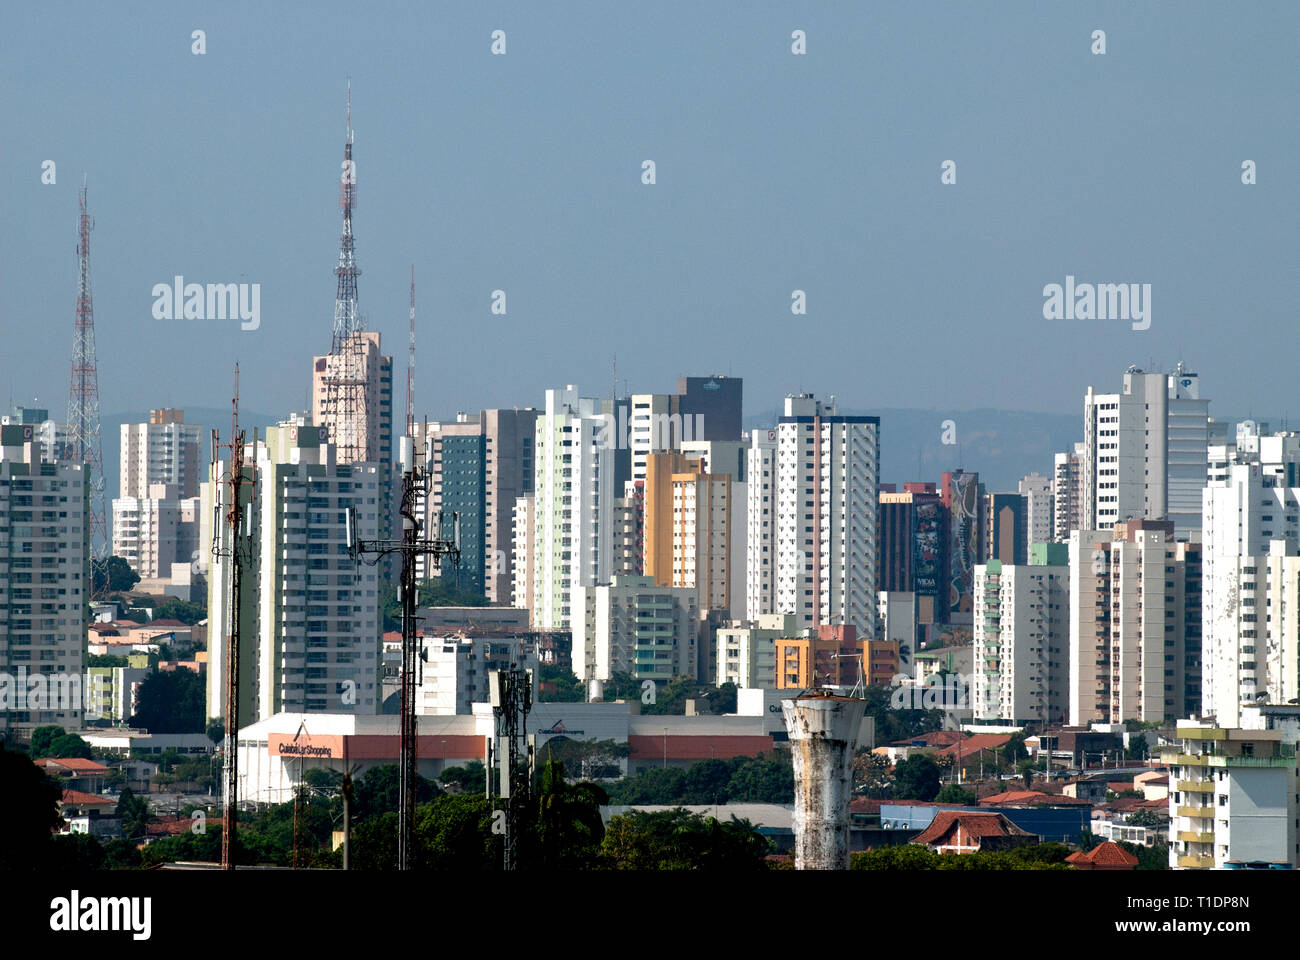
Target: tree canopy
pixel 173 701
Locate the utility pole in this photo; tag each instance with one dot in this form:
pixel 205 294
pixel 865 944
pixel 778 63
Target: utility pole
pixel 241 552
pixel 413 544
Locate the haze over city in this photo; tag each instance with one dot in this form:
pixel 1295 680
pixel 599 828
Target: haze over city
pixel 522 173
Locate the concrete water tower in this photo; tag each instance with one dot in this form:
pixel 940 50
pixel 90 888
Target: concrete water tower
pixel 823 731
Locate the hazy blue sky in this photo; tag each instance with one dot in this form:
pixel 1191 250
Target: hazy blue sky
pixel 775 172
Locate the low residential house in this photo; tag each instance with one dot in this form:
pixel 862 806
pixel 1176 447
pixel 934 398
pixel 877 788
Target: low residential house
pixel 968 831
pixel 74 773
pixel 1086 788
pixel 89 813
pixel 1104 856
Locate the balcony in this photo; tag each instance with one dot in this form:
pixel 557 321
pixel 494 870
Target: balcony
pixel 1281 763
pixel 1196 863
pixel 1191 836
pixel 1196 813
pixel 1196 786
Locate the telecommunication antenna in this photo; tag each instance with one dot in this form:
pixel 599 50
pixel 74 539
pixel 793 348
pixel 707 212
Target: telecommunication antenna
pixel 511 693
pixel 242 553
pixel 413 544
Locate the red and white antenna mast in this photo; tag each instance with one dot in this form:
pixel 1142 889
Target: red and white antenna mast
pixel 83 444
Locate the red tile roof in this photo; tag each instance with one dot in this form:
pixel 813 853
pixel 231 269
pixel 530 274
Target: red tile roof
pixel 968 747
pixel 169 827
pixel 1105 854
pixel 78 764
pixel 972 824
pixel 79 798
pixel 1031 798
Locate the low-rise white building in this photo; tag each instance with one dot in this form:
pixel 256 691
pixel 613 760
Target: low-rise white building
pixel 746 649
pixel 1232 799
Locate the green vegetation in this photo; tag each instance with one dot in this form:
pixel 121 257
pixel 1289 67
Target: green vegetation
pixel 916 778
pixel 671 697
pixel 768 778
pixel 568 688
pixel 171 702
pixel 114 573
pixel 911 856
pixel 955 794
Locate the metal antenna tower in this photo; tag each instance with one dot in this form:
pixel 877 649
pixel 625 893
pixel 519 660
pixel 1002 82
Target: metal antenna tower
pixel 241 552
pixel 83 393
pixel 345 379
pixel 413 544
pixel 410 367
pixel 511 693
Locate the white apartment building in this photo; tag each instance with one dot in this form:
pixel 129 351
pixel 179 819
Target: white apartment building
pixel 746 649
pixel 1037 491
pixel 828 467
pixel 165 450
pixel 521 593
pixel 573 509
pixel 1067 494
pixel 310 626
pixel 44 584
pixel 1232 797
pixel 1145 451
pixel 897 624
pixel 1252 537
pixel 760 524
pixel 151 533
pixel 454 674
pixel 633 626
pixel 1021 639
pixel 1134 624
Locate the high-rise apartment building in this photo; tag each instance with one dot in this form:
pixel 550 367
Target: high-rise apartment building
pixel 44 584
pixel 1037 492
pixel 573 505
pixel 827 471
pixel 962 495
pixel 478 465
pixel 50 436
pixel 1145 451
pixel 311 637
pixel 1006 536
pixel 154 532
pixel 1022 638
pixel 912 548
pixel 1251 545
pixel 760 524
pixel 1131 623
pixel 1068 500
pixel 164 450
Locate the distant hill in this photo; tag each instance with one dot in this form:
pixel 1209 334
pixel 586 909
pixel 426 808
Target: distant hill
pixel 1001 445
